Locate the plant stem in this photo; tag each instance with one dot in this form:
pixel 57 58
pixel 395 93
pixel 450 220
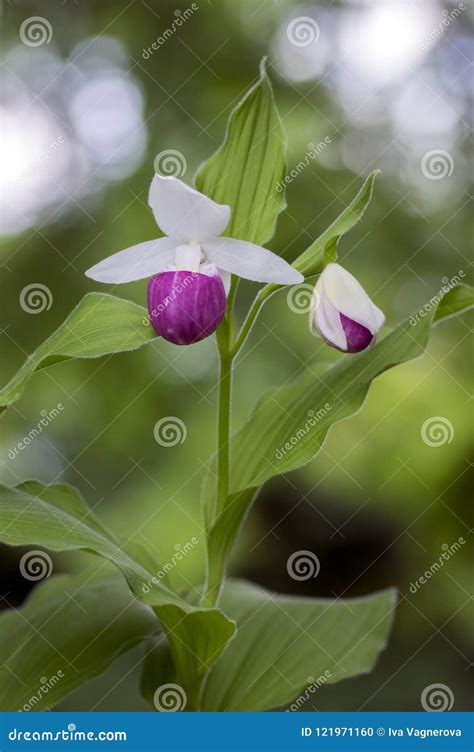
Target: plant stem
pixel 227 352
pixel 262 296
pixel 223 429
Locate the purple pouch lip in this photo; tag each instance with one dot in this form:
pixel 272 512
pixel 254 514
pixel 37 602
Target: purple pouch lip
pixel 358 337
pixel 185 307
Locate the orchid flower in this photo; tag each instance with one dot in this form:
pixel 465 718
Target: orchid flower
pixel 342 313
pixel 190 269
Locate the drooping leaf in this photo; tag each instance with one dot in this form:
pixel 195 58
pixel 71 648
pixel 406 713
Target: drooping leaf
pixel 289 425
pixel 283 644
pixel 56 518
pixel 69 631
pixel 246 171
pixel 99 325
pixel 323 250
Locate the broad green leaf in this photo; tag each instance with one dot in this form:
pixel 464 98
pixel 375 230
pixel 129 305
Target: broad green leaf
pixel 246 171
pixel 99 325
pixel 157 668
pixel 290 424
pixel 56 518
pixel 323 250
pixel 283 644
pixel 221 534
pixel 69 631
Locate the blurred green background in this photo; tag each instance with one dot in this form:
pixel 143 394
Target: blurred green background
pixel 83 117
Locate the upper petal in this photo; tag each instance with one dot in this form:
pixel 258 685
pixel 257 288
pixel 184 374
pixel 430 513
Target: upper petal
pixel 183 212
pixel 250 261
pixel 139 261
pixel 349 297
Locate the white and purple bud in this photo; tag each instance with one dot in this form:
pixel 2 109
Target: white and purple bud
pixel 342 313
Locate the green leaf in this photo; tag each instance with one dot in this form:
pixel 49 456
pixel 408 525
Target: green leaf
pixel 221 534
pixel 55 517
pixel 247 169
pixel 99 325
pixel 69 631
pixel 290 424
pixel 323 250
pixel 284 643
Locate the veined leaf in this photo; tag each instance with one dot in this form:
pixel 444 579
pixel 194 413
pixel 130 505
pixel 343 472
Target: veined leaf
pixel 283 644
pixel 69 631
pixel 290 424
pixel 246 171
pixel 56 518
pixel 323 250
pixel 221 533
pixel 99 325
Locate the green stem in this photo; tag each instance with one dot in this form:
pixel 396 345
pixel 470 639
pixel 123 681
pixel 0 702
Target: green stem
pixel 223 430
pixel 227 353
pixel 244 332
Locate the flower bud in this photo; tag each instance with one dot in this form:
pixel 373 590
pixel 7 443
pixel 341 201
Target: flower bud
pixel 186 306
pixel 342 313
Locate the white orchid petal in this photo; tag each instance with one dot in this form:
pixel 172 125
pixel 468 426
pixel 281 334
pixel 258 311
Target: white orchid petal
pixel 184 213
pixel 139 261
pixel 250 261
pixel 326 322
pixel 348 296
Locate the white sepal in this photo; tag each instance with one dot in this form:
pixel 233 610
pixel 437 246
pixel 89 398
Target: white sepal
pixel 137 262
pixel 250 261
